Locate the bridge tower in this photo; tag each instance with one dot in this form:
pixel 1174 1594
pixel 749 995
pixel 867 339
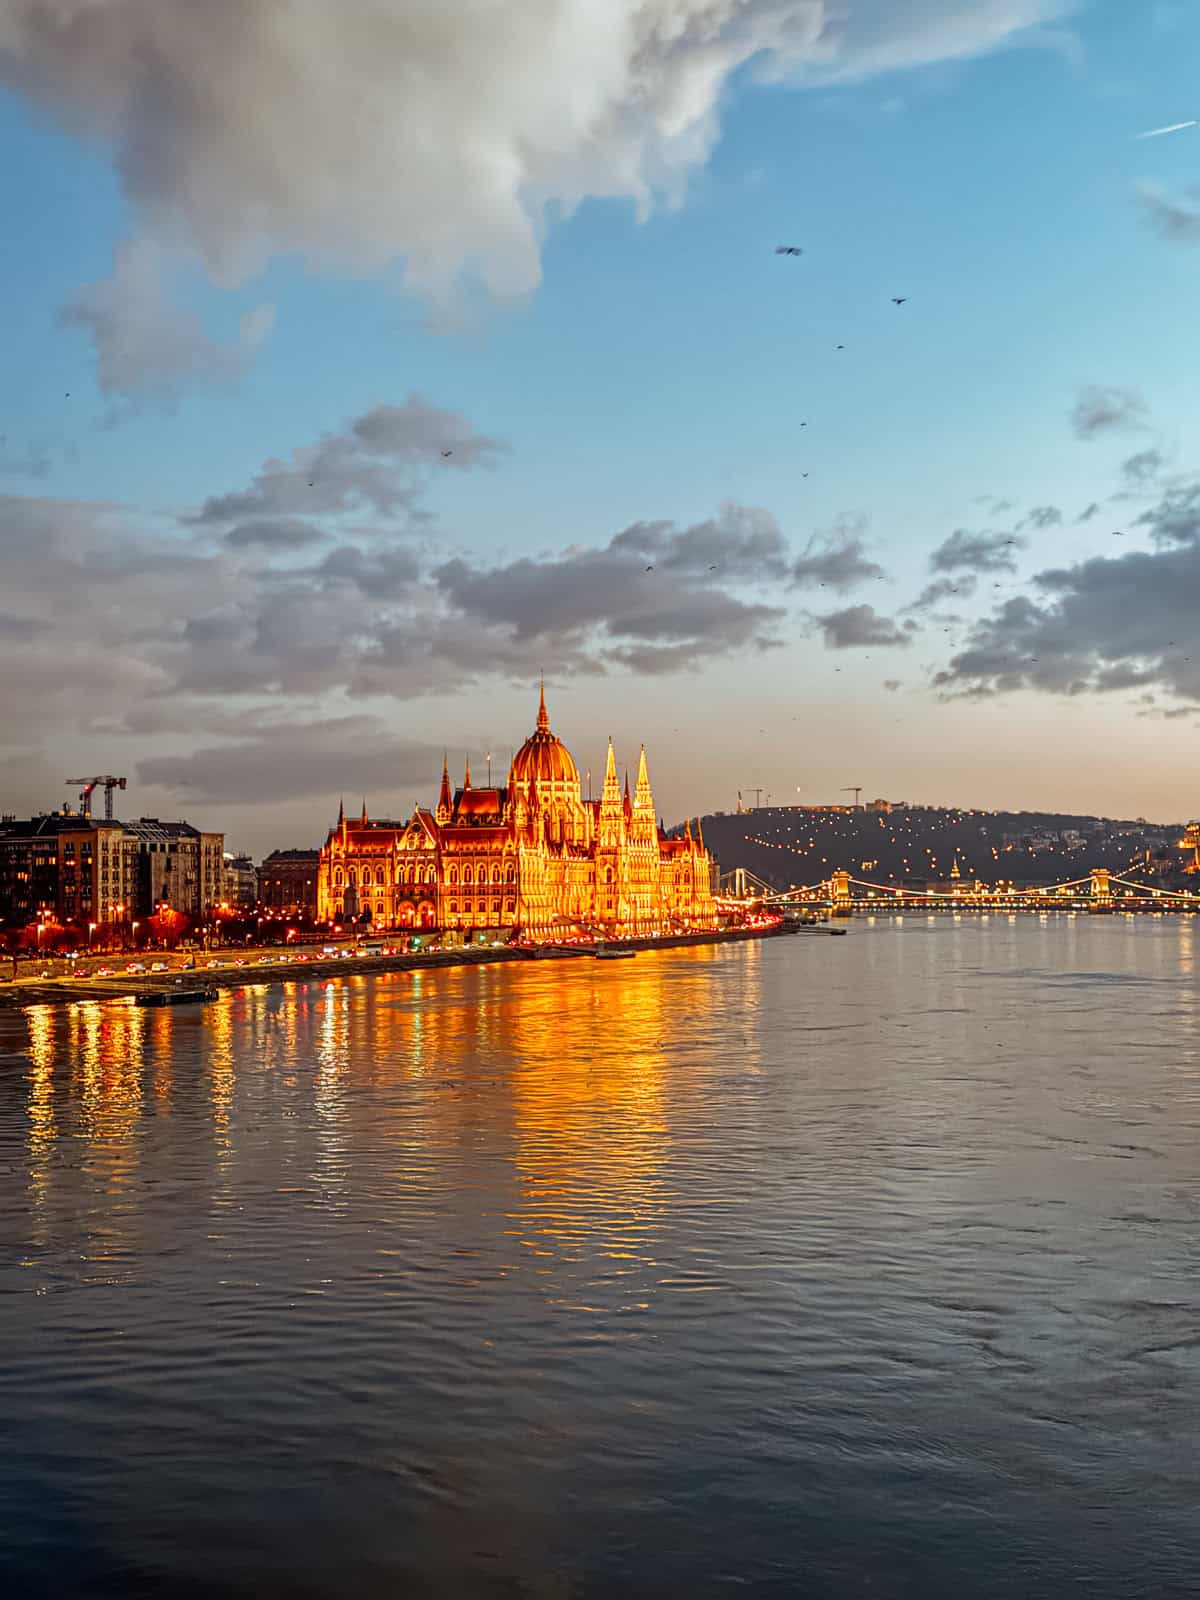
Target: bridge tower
pixel 1101 892
pixel 839 887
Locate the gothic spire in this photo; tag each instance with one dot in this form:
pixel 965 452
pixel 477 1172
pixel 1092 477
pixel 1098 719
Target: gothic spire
pixel 467 778
pixel 341 811
pixel 543 716
pixel 445 800
pixel 363 819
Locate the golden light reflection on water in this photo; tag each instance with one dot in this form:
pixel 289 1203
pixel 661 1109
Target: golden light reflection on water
pixel 43 1125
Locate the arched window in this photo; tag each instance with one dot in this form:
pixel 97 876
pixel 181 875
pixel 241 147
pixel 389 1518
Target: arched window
pixel 337 877
pixel 352 878
pixel 512 876
pixel 467 875
pixel 510 905
pixel 454 905
pixel 453 874
pixel 495 874
pixel 608 874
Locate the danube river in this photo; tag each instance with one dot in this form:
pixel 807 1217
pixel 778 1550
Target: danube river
pixel 814 1267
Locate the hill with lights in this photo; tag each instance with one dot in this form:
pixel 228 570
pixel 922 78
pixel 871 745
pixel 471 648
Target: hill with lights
pixel 921 845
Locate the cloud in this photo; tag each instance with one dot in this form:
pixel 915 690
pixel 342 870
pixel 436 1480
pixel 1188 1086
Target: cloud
pixel 961 587
pixel 892 684
pixel 442 136
pixel 1131 621
pixel 374 463
pixel 651 585
pixel 146 347
pixel 1090 511
pixel 862 625
pixel 273 533
pixel 1101 410
pixel 1176 517
pixel 836 559
pixel 1141 468
pixel 294 760
pixel 1174 218
pixel 1042 517
pixel 964 551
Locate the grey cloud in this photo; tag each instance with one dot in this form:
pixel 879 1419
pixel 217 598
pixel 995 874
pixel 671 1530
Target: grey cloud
pixel 1042 517
pixel 961 587
pixel 1089 512
pixel 1174 218
pixel 381 574
pixel 273 533
pixel 837 559
pixel 145 346
pixel 861 625
pixel 298 760
pixel 650 583
pixel 374 462
pixel 1176 518
pixel 964 551
pixel 1142 467
pixel 1100 625
pixel 520 112
pixel 892 684
pixel 1102 410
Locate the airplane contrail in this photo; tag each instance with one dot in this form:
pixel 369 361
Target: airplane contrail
pixel 1175 127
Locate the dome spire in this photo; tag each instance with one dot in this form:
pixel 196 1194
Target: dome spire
pixel 467 777
pixel 543 716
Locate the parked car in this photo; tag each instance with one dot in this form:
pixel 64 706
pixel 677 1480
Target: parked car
pixel 136 966
pixel 160 966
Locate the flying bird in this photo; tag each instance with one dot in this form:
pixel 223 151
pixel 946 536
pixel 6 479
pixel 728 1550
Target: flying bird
pixel 788 250
pixel 1172 127
pixel 1118 535
pixel 447 453
pixel 899 300
pixel 650 569
pixel 841 347
pixel 804 474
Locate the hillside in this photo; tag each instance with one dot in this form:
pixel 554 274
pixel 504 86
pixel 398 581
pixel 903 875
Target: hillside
pixel 919 845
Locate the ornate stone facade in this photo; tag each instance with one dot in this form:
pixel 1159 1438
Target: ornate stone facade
pixel 533 856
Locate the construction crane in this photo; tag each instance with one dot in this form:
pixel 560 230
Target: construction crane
pixel 757 793
pixel 855 789
pixel 85 787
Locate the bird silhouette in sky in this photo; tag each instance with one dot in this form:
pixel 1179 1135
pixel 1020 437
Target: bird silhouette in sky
pixel 788 250
pixel 447 453
pixel 804 474
pixel 650 569
pixel 1118 535
pixel 899 299
pixel 713 568
pixel 841 347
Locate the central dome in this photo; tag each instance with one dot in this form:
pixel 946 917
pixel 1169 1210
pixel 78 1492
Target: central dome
pixel 542 757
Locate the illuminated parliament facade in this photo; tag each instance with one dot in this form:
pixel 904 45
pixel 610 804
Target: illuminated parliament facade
pixel 533 856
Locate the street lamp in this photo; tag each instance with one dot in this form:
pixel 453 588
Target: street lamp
pixel 91 931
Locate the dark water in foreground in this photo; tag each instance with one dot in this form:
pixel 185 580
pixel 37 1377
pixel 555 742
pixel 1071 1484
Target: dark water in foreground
pixel 818 1267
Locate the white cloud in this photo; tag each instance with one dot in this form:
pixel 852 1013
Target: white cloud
pixel 439 136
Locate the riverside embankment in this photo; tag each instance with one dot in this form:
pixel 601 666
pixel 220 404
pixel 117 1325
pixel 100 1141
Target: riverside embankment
pixel 257 967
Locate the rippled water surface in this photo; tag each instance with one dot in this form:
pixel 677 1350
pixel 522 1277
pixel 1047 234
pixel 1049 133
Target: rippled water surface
pixel 815 1267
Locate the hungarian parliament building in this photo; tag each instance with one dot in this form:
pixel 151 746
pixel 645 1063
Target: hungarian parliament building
pixel 533 857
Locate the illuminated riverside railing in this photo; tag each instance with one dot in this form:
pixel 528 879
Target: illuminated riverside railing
pixel 1100 890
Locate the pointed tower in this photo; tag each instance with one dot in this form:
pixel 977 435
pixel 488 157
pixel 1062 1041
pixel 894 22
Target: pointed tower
pixel 445 799
pixel 643 830
pixel 612 813
pixel 341 821
pixel 363 818
pixel 467 777
pixel 627 803
pixel 543 716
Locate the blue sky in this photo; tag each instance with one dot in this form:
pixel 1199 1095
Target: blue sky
pixel 660 369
